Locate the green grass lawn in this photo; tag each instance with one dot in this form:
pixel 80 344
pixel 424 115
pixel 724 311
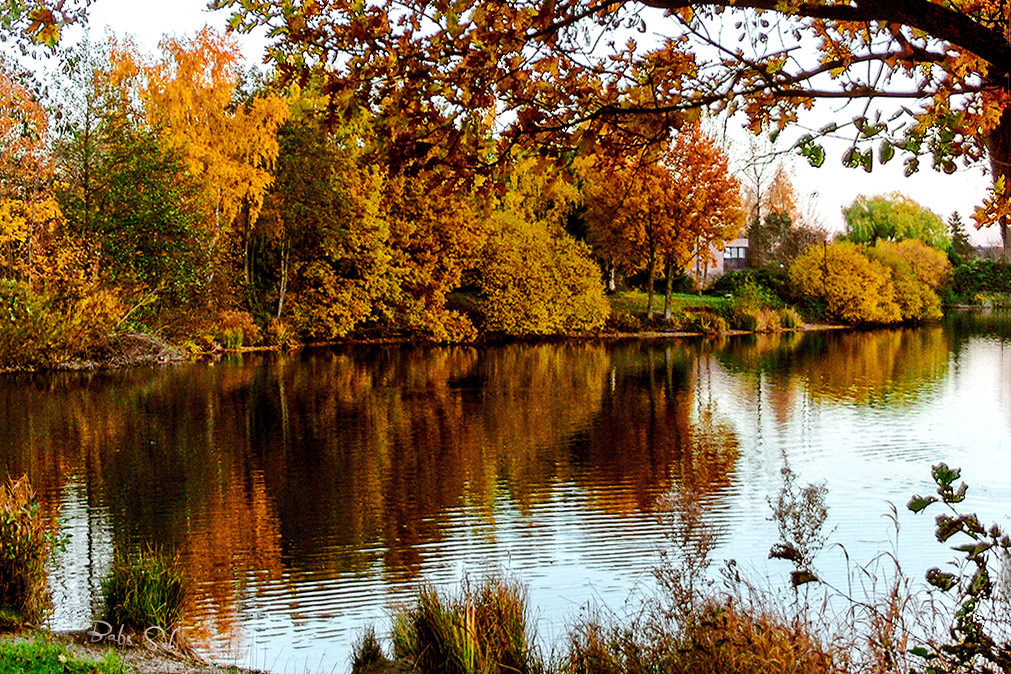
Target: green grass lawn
pixel 634 302
pixel 38 657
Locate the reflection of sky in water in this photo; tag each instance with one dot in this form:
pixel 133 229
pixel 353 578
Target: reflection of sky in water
pixel 542 461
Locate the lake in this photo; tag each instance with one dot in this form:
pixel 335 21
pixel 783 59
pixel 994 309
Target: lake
pixel 306 493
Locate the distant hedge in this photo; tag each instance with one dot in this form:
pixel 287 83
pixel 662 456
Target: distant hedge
pixel 980 276
pixel 732 282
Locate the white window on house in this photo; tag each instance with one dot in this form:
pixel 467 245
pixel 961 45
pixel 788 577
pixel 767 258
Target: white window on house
pixel 734 253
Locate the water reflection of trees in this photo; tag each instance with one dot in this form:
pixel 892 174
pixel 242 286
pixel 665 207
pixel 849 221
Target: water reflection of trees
pixel 966 325
pixel 862 367
pixel 335 463
pixel 650 433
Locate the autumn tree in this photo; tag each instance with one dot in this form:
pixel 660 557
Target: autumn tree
pixel 83 98
pixel 894 217
pixel 777 232
pixel 564 72
pixel 535 278
pixel 122 190
pixel 663 210
pixel 916 270
pixel 853 288
pixel 436 233
pixel 885 283
pixel 27 206
pixel 227 147
pixel 325 255
pixel 706 204
pixel 623 225
pixel 52 303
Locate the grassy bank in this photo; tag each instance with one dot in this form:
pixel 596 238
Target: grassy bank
pixel 42 652
pixel 44 657
pixel 751 309
pixel 634 302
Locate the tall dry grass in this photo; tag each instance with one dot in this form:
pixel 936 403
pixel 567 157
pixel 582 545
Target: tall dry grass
pixel 27 540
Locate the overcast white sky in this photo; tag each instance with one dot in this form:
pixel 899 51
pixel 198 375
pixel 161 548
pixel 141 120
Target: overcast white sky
pixel 832 186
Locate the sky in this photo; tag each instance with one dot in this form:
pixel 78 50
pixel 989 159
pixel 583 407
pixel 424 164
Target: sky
pixel 829 188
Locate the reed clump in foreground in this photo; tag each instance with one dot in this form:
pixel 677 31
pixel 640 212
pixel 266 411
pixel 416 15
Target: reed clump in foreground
pixel 724 638
pixel 144 590
pixel 27 540
pixel 482 630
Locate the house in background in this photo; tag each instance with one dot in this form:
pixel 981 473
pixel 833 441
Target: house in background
pixel 733 257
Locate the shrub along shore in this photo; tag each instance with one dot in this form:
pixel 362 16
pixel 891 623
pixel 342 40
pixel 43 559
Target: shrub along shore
pixel 747 308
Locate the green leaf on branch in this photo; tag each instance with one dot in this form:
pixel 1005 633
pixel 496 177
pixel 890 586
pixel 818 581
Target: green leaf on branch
pixel 813 152
pixel 941 580
pixel 852 158
pixel 973 551
pixel 918 503
pixel 886 153
pixel 867 161
pixel 980 583
pixel 943 475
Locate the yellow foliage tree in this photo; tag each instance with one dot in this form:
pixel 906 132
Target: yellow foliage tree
pixel 930 265
pixel 854 289
pixel 325 220
pixel 916 301
pixel 27 207
pixel 228 146
pixel 536 279
pixel 917 271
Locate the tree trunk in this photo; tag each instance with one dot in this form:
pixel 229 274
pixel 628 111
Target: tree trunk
pixel 285 253
pixel 999 145
pixel 651 269
pixel 669 270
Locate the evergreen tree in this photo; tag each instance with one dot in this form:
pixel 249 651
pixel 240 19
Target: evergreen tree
pixel 962 250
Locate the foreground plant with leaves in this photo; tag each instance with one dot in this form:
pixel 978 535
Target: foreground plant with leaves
pixel 980 624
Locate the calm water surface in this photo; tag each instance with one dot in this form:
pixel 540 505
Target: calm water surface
pixel 307 493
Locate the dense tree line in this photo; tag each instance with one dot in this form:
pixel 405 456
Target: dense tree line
pixel 181 196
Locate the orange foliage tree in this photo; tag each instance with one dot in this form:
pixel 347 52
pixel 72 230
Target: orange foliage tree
pixel 781 197
pixel 563 71
pixel 27 207
pixel 642 214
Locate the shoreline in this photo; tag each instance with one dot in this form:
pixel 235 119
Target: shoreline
pixel 169 354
